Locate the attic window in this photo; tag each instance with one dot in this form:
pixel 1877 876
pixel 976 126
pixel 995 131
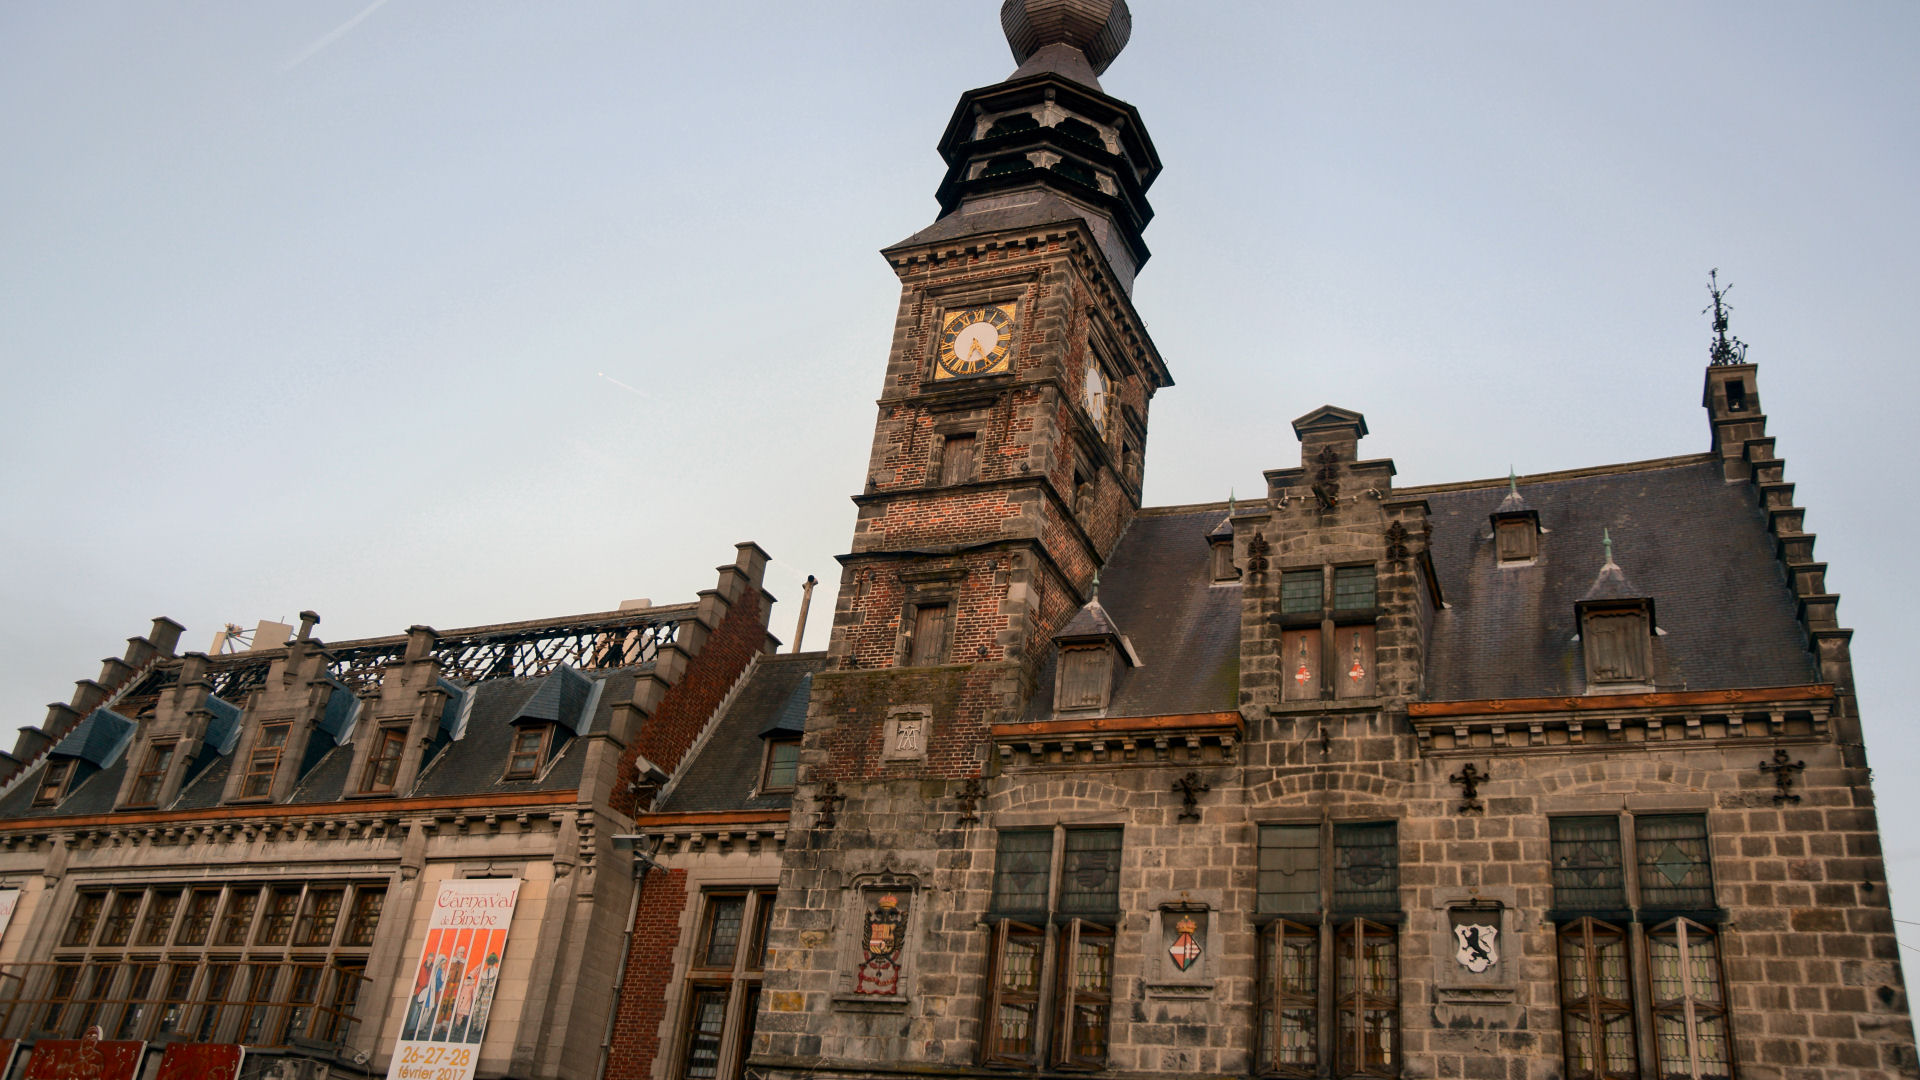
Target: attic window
pixel 53 783
pixel 528 751
pixel 1518 539
pixel 383 764
pixel 153 774
pixel 1223 568
pixel 1086 678
pixel 1619 644
pixel 782 765
pixel 264 761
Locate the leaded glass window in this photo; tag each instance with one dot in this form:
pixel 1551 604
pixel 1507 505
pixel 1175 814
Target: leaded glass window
pixel 1366 867
pixel 1690 1034
pixel 724 915
pixel 1354 588
pixel 159 918
pixel 1675 874
pixel 1290 998
pixel 1300 591
pixel 1289 869
pixel 1013 999
pixel 1090 876
pixel 1368 986
pixel 723 990
pixel 1596 1004
pixel 1021 868
pixel 1587 873
pixel 1086 994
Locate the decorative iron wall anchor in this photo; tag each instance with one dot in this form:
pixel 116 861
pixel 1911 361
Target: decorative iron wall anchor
pixel 971 792
pixel 1469 780
pixel 1783 770
pixel 1191 787
pixel 829 799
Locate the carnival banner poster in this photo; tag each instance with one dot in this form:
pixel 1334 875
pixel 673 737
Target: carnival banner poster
pixel 453 988
pixel 201 1061
pixel 9 899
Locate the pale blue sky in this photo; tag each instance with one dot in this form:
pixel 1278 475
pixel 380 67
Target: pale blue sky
pixel 308 306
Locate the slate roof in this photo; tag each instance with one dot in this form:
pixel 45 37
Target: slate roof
pixel 725 771
pixel 1184 628
pixel 1684 537
pixel 471 765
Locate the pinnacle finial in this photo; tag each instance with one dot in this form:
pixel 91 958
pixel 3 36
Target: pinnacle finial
pixel 1726 349
pixel 1513 482
pixel 1094 592
pixel 1097 28
pixel 1230 502
pixel 1606 542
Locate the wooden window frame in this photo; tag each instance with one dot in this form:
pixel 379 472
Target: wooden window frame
pixel 519 767
pixel 1696 1006
pixel 138 990
pixel 1279 1001
pixel 1580 1000
pixel 54 780
pixel 384 736
pixel 1061 1007
pixel 1099 674
pixel 263 760
pixel 737 982
pixel 773 744
pixel 1084 998
pixel 995 1047
pixel 151 780
pixel 1354 1007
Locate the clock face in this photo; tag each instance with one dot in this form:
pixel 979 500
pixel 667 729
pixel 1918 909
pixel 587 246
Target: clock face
pixel 1095 396
pixel 974 341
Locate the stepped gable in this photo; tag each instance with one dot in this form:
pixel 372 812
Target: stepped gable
pixel 1687 539
pixel 725 771
pixel 1184 628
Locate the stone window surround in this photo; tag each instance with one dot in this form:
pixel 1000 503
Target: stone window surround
pixel 702 884
pixel 1330 621
pixel 926 588
pixel 1636 930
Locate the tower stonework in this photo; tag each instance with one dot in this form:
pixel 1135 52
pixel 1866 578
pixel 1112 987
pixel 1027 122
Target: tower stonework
pixel 1549 777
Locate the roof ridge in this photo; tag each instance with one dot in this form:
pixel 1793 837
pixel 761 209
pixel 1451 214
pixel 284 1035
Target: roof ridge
pixel 1649 465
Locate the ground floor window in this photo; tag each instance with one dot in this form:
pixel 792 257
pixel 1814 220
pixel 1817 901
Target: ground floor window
pixel 723 983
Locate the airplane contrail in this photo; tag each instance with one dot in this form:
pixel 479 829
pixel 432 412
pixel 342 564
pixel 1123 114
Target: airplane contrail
pixel 617 382
pixel 331 36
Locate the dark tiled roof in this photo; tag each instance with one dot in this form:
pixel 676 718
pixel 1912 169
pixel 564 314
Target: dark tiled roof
pixel 1685 538
pixel 1158 587
pixel 725 773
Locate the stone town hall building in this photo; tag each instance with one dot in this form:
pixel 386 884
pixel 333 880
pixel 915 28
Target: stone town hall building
pixel 1551 776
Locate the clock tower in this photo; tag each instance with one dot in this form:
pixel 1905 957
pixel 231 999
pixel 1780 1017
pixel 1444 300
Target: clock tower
pixel 1010 445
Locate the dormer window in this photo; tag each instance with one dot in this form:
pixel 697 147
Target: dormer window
pixel 53 782
pixel 1517 539
pixel 153 774
pixel 1086 677
pixel 528 751
pixel 264 762
pixel 1223 568
pixel 782 765
pixel 1619 643
pixel 383 763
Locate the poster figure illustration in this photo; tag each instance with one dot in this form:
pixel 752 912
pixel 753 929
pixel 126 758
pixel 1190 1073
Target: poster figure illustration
pixel 454 984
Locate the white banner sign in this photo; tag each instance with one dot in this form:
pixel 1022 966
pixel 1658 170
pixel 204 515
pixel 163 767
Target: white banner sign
pixel 9 899
pixel 453 988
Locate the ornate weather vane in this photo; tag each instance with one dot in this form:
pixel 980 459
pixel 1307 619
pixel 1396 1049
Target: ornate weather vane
pixel 1726 349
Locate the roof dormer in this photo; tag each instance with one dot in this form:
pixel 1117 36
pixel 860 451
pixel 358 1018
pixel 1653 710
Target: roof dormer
pixel 1092 648
pixel 1516 527
pixel 1616 630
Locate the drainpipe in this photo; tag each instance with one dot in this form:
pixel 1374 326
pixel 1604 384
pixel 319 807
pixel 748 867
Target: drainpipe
pixel 642 862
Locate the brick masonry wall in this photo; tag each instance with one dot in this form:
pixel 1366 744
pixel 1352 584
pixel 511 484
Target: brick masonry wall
pixel 667 734
pixel 645 997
